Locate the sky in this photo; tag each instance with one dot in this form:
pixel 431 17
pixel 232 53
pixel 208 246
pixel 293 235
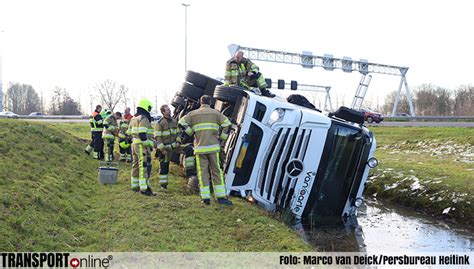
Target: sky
pixel 140 44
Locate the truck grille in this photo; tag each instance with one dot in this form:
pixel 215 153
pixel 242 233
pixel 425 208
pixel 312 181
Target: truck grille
pixel 274 184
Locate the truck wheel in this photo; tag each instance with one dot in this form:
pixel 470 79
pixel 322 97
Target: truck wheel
pixel 229 94
pixel 191 91
pixel 370 120
pixel 197 79
pixel 178 101
pixel 211 86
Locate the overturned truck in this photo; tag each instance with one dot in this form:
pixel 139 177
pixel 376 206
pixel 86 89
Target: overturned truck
pixel 287 157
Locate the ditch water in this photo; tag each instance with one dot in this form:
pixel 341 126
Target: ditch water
pixel 379 226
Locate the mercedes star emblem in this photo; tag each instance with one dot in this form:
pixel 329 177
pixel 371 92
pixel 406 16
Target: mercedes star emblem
pixel 294 167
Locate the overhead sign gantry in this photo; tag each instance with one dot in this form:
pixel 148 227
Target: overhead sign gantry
pixel 328 62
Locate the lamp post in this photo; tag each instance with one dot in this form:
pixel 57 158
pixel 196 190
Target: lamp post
pixel 1 71
pixel 185 36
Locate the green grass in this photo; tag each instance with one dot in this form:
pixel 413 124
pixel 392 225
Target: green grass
pixel 438 159
pixel 78 129
pixel 388 135
pixel 51 200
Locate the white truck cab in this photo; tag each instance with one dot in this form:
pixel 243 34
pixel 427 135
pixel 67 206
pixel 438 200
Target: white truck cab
pixel 292 158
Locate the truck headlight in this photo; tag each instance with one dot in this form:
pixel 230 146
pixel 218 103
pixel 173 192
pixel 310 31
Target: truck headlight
pixel 276 116
pixel 358 202
pixel 372 162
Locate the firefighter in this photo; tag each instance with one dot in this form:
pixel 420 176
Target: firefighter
pixel 168 141
pixel 111 130
pixel 97 144
pixel 240 71
pixel 93 124
pixel 210 128
pixel 124 139
pixel 139 128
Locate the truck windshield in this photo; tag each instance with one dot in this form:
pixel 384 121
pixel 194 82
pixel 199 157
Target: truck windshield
pixel 337 172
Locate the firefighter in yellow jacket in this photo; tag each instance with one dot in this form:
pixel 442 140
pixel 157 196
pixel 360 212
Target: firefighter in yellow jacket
pixel 240 71
pixel 97 143
pixel 125 140
pixel 210 128
pixel 142 145
pixel 111 130
pixel 168 140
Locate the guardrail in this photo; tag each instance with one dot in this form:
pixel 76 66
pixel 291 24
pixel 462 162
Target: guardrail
pixel 55 117
pixel 430 118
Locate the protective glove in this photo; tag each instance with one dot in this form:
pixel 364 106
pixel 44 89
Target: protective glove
pixel 158 154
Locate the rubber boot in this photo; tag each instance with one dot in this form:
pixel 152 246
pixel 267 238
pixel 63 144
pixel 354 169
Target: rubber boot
pixel 267 93
pixel 224 201
pixel 206 201
pixel 148 192
pixel 88 150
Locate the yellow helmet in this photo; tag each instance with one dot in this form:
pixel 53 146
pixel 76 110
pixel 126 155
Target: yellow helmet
pixel 145 104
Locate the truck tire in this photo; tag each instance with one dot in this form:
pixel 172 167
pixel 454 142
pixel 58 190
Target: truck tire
pixel 229 94
pixel 178 101
pixel 211 86
pixel 191 91
pixel 370 120
pixel 197 79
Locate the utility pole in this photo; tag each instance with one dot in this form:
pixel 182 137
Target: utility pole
pixel 185 36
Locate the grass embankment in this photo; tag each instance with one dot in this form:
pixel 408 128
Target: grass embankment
pixel 51 200
pixel 430 169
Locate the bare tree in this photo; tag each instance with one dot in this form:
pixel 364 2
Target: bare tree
pixel 127 100
pixel 443 102
pixel 463 103
pixel 426 99
pixel 63 104
pixel 166 96
pixel 390 102
pixel 432 100
pixel 110 94
pixel 22 99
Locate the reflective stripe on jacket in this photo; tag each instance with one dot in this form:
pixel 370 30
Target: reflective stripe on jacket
pixel 124 123
pixel 237 73
pixel 166 134
pixel 110 127
pixel 209 127
pixel 140 125
pixel 96 122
